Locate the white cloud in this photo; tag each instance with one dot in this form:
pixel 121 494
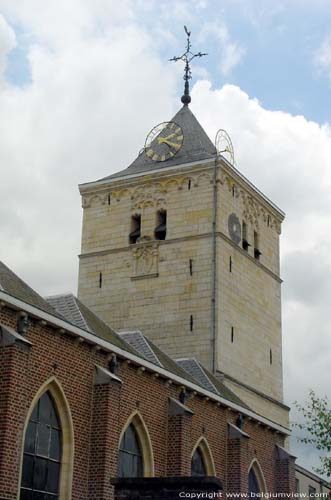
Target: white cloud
pixel 7 43
pixel 231 53
pixel 232 56
pixel 85 114
pixel 322 57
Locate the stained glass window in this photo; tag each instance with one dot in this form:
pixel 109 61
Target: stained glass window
pixel 42 453
pixel 197 465
pixel 130 460
pixel 253 484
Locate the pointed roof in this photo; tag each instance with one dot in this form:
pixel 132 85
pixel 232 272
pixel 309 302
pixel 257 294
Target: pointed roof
pixel 196 146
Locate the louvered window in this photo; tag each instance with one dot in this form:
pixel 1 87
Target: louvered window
pixel 161 225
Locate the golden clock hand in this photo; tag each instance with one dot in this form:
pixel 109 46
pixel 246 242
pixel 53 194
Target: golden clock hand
pixel 162 140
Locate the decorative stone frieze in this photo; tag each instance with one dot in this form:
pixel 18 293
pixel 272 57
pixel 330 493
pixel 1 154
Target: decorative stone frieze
pixel 253 212
pixel 145 258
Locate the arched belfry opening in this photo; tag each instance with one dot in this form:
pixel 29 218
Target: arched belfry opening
pixel 135 452
pixel 48 446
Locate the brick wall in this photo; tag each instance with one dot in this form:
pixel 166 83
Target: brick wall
pixel 99 413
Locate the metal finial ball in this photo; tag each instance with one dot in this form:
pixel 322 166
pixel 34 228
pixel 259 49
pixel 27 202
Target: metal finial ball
pixel 186 99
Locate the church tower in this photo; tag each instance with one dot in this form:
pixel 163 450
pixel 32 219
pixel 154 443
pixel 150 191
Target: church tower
pixel 181 246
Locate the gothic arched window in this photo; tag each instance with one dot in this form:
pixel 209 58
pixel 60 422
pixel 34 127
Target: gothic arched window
pixel 130 459
pixel 198 467
pixel 253 484
pixel 42 452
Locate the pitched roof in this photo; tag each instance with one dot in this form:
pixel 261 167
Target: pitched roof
pixel 13 285
pixel 208 381
pixel 76 313
pixel 137 340
pixel 193 367
pixel 196 146
pixel 66 305
pixel 149 351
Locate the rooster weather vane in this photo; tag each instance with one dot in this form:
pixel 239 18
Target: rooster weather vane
pixel 187 57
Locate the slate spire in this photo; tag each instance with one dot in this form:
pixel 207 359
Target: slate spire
pixel 197 146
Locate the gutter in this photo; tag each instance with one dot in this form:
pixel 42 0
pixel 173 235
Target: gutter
pixel 19 305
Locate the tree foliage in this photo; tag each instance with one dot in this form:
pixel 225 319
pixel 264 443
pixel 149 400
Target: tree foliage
pixel 317 428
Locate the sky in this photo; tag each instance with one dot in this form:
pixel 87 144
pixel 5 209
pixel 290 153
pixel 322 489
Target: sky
pixel 82 83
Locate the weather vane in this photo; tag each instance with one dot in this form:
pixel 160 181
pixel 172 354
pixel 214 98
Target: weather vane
pixel 187 57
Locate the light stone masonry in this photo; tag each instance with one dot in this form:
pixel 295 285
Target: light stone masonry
pixel 163 288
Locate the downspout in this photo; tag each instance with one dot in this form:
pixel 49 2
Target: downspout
pixel 214 266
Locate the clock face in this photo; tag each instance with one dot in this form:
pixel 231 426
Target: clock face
pixel 234 228
pixel 164 141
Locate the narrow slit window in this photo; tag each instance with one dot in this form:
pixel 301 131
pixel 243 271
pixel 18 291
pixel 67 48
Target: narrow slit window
pixel 268 220
pixel 161 225
pixel 270 356
pixel 135 228
pixel 191 267
pixel 245 243
pixel 100 280
pixel 189 184
pixel 230 264
pixel 191 323
pixel 232 334
pixel 257 251
pixel 108 198
pixel 233 191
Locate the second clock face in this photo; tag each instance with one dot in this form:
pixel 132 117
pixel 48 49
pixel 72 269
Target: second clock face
pixel 234 228
pixel 164 141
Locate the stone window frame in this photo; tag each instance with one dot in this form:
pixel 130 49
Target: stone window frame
pixel 54 387
pixel 255 466
pixel 136 419
pixel 207 456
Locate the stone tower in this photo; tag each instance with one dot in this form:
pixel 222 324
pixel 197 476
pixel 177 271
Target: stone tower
pixel 181 246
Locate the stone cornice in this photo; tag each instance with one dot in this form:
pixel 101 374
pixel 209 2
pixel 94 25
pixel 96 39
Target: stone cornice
pixel 179 175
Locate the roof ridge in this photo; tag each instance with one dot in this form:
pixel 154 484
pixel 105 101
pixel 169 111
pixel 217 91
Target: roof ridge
pixel 206 373
pixel 205 378
pixel 58 295
pixel 70 302
pixel 80 312
pixel 142 336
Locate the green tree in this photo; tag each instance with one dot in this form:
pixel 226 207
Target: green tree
pixel 316 427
